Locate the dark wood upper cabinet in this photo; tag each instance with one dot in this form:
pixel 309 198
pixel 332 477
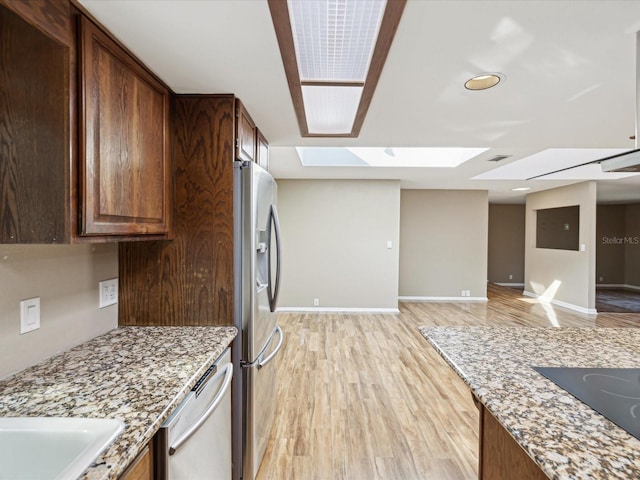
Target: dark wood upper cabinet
pixel 35 197
pixel 245 134
pixel 262 152
pixel 84 151
pixel 125 170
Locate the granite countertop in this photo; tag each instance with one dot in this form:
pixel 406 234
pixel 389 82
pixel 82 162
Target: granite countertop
pixel 566 438
pixel 136 374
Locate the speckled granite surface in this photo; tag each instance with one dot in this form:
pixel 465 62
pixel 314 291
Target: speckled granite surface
pixel 136 374
pixel 566 438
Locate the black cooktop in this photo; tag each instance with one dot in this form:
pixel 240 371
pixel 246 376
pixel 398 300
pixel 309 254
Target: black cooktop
pixel 612 392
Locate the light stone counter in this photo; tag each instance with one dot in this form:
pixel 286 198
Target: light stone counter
pixel 136 374
pixel 565 438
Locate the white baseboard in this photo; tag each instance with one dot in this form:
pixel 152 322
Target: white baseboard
pixel 335 310
pixel 509 284
pixel 618 285
pixel 443 299
pixel 560 303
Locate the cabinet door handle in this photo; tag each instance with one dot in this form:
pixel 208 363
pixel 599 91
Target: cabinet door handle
pixel 210 409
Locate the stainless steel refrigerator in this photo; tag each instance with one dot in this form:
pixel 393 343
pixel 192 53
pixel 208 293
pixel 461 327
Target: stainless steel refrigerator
pixel 257 280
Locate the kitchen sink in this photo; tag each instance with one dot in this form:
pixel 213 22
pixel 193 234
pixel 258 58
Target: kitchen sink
pixel 52 448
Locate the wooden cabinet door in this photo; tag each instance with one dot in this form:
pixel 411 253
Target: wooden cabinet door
pixel 125 164
pixel 262 157
pixel 141 468
pixel 245 134
pixel 34 127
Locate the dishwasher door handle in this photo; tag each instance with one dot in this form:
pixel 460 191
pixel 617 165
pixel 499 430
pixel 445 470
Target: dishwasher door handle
pixel 210 409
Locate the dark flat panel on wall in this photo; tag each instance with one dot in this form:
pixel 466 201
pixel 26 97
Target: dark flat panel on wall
pixel 189 280
pixel 558 228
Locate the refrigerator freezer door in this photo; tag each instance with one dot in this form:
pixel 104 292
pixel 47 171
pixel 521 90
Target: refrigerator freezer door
pixel 260 406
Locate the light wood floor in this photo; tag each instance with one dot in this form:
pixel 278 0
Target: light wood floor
pixel 366 397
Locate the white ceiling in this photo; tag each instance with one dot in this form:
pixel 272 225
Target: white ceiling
pixel 569 68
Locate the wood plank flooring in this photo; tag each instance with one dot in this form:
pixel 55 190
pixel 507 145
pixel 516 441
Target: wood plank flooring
pixel 364 396
pixel 618 300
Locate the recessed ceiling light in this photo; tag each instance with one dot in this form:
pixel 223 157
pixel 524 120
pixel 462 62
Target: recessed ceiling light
pixel 483 81
pixel 520 189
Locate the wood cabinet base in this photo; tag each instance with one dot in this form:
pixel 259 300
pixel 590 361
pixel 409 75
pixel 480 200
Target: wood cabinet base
pixel 501 458
pixel 141 468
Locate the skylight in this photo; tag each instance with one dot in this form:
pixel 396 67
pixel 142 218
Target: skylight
pixel 404 157
pixel 333 52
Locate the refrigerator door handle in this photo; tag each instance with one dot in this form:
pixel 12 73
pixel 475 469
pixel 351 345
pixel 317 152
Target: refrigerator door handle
pixel 274 288
pixel 271 356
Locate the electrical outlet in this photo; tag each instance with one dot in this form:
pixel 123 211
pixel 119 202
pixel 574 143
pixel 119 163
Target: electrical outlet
pixel 468 293
pixel 462 293
pixel 510 277
pixel 29 315
pixel 108 290
pixel 316 302
pixel 601 279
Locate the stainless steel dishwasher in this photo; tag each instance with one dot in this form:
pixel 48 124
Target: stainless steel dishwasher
pixel 194 443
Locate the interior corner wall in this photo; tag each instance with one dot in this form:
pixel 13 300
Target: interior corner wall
pixel 65 277
pixel 564 277
pixel 610 255
pixel 334 236
pixel 506 243
pixel 632 246
pixel 443 243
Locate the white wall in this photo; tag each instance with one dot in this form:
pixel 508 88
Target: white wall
pixel 565 277
pixel 443 243
pixel 65 277
pixel 335 235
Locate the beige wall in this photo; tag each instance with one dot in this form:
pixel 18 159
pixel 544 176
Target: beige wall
pixel 334 235
pixel 563 276
pixel 506 243
pixel 66 280
pixel 610 257
pixel 632 248
pixel 443 243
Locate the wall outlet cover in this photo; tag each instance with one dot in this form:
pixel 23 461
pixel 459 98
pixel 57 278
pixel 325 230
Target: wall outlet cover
pixel 108 292
pixel 29 315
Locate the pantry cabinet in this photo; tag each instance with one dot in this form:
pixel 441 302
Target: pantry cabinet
pixel 189 281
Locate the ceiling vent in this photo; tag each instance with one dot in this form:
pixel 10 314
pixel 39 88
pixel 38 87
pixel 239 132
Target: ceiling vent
pixel 497 158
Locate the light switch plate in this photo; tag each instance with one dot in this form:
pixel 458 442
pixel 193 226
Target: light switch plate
pixel 29 315
pixel 108 290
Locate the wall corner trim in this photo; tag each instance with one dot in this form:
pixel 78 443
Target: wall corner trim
pixel 335 310
pixel 560 303
pixel 443 299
